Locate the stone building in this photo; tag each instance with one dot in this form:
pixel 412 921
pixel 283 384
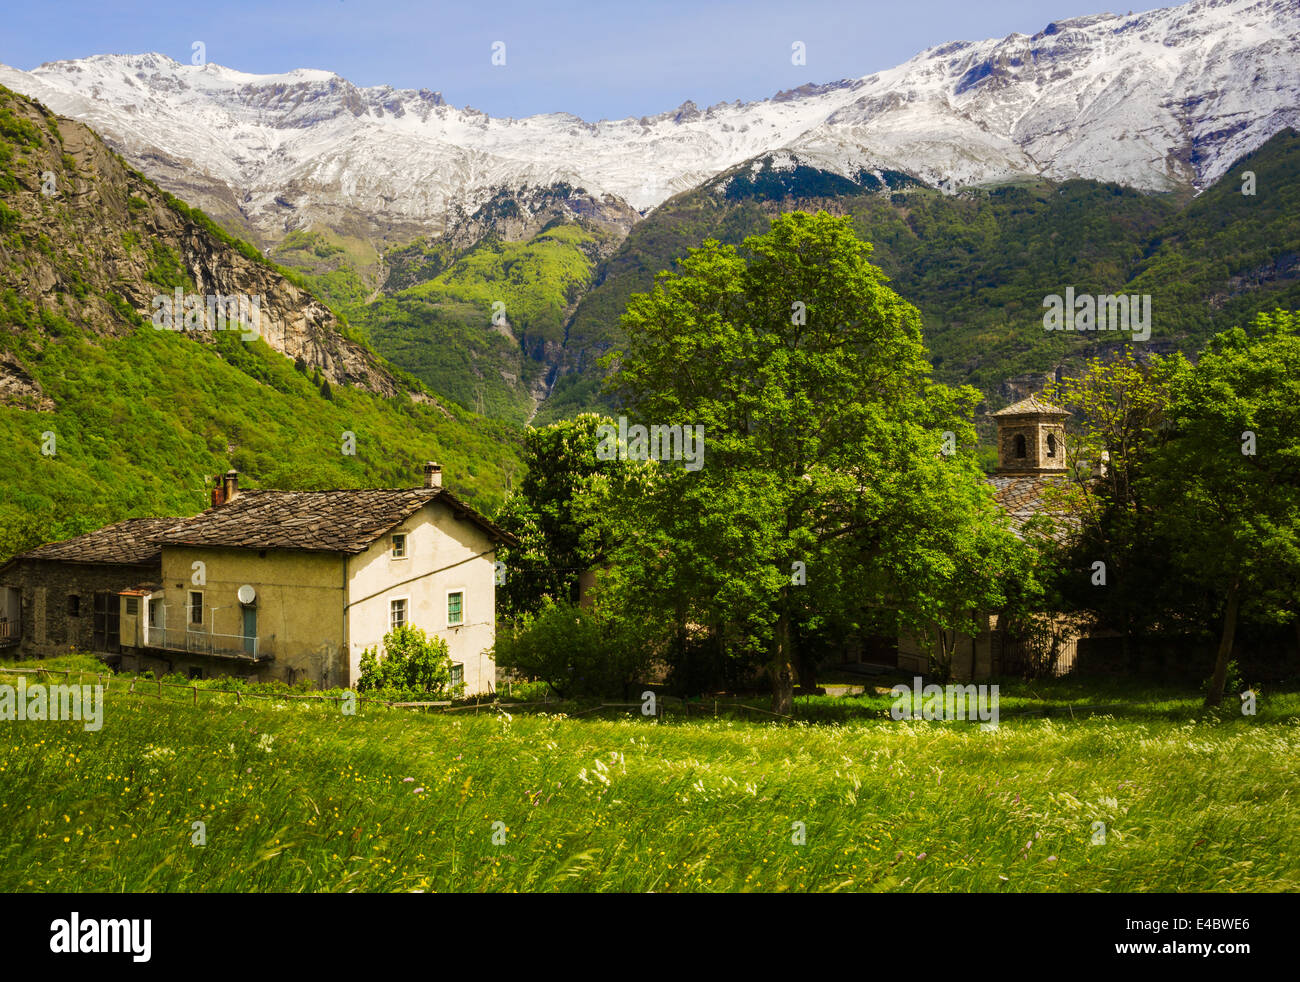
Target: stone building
pixel 65 595
pixel 1031 458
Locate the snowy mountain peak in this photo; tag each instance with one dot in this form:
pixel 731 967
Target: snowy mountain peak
pixel 1160 100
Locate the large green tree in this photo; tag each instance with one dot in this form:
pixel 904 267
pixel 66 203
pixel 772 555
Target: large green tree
pixel 1226 482
pixel 827 442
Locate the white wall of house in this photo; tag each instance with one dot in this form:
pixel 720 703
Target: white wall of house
pixel 444 555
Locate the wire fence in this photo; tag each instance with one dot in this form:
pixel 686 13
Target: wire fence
pixel 137 684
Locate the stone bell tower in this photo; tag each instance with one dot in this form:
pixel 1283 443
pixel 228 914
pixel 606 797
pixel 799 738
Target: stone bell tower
pixel 1031 438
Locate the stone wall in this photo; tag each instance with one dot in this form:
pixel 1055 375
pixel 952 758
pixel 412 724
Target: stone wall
pixel 48 625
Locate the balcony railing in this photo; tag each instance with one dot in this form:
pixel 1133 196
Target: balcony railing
pixel 11 632
pixel 200 642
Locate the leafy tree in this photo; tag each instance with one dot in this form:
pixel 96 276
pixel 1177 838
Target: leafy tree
pixel 824 438
pixel 575 650
pixel 557 544
pixel 1226 484
pixel 1120 416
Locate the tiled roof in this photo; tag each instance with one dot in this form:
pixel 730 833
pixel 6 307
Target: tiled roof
pixel 125 542
pixel 316 521
pixel 1031 407
pixel 1022 498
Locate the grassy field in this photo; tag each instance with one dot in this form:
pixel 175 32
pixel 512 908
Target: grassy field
pixel 294 795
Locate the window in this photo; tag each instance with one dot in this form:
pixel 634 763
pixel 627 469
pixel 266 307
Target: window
pixel 1051 444
pixel 1020 445
pixel 455 608
pixel 74 605
pixel 397 613
pixel 399 545
pixel 196 608
pixel 133 606
pixel 457 674
pixel 196 673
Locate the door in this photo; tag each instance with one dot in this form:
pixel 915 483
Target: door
pixel 250 631
pixel 106 623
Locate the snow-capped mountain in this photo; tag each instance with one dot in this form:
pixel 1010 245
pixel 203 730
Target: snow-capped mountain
pixel 1159 100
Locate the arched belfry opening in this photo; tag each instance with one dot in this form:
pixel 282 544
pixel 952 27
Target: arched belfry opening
pixel 1031 438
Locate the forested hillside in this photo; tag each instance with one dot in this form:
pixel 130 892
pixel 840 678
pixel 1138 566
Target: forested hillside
pixel 104 416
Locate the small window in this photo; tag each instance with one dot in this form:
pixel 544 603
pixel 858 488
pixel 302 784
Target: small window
pixel 399 545
pixel 455 608
pixel 196 608
pixel 1020 446
pixel 133 606
pixel 397 614
pixel 457 674
pixel 1051 444
pixel 74 605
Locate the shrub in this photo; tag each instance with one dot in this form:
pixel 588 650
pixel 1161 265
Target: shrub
pixel 411 661
pixel 575 651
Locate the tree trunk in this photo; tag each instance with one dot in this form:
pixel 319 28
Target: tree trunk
pixel 1215 695
pixel 807 673
pixel 781 668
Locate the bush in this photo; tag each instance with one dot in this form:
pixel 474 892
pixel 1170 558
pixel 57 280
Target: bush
pixel 575 651
pixel 411 661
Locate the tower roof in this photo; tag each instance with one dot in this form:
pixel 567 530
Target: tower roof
pixel 1033 406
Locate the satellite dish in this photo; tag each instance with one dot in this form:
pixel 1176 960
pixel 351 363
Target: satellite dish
pixel 247 594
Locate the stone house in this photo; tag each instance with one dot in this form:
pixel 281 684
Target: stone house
pixel 295 585
pixel 66 594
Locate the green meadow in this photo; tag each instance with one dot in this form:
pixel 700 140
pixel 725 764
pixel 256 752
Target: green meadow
pixel 1080 788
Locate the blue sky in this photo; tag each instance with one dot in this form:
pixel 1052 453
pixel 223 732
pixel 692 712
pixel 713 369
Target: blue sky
pixel 598 60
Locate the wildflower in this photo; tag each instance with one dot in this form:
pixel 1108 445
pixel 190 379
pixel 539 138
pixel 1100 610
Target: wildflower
pixel 407 780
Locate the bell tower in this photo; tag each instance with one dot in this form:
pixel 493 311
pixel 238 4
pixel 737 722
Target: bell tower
pixel 1031 438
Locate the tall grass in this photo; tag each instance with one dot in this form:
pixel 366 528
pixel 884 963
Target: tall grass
pixel 297 796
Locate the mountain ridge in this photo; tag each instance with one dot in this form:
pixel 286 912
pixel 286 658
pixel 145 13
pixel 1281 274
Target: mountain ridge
pixel 1159 101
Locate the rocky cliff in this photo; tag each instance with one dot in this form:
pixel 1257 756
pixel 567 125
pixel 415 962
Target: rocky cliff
pixel 85 237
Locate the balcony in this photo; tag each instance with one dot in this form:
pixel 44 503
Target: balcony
pixel 241 647
pixel 10 633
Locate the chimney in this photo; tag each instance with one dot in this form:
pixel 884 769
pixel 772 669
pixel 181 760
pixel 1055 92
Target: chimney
pixel 230 486
pixel 218 495
pixel 432 474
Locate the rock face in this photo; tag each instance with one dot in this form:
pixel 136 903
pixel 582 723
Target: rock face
pixel 104 242
pixel 516 214
pixel 18 388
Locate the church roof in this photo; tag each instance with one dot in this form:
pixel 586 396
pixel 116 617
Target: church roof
pixel 1024 497
pixel 1033 406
